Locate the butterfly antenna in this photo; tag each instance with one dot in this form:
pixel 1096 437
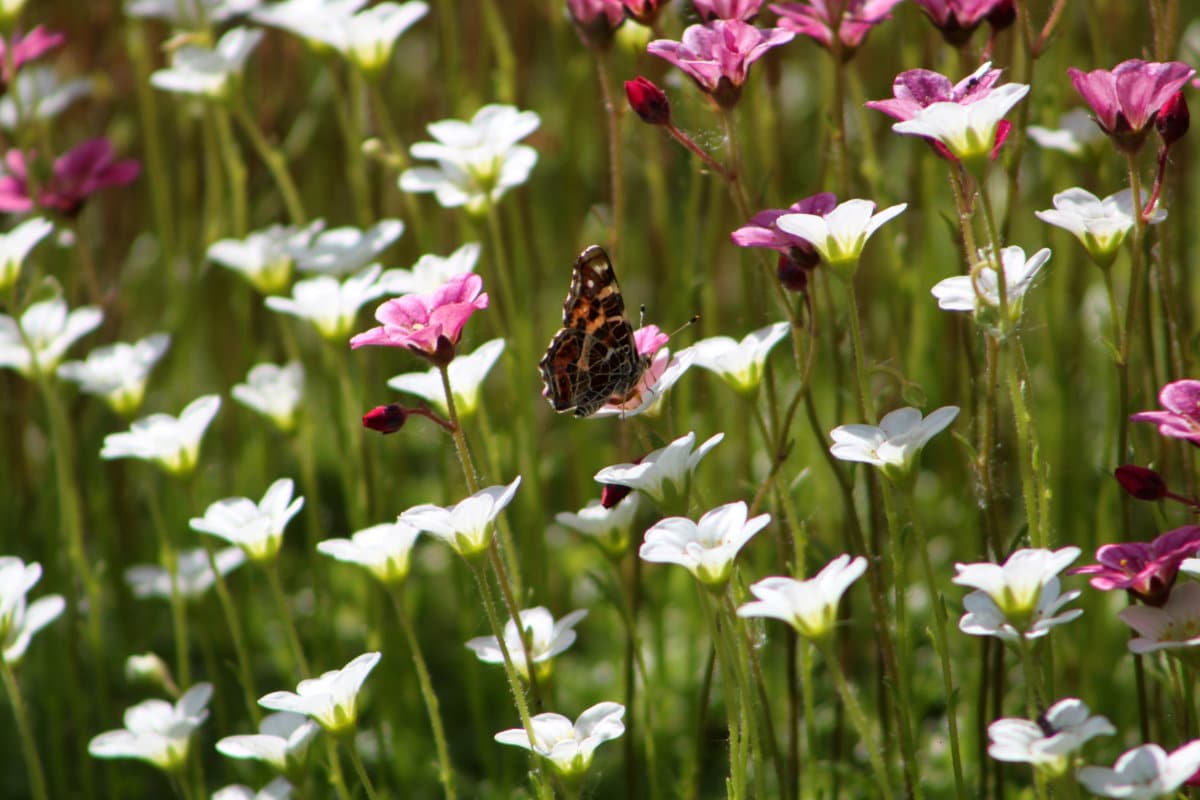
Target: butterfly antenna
pixel 687 324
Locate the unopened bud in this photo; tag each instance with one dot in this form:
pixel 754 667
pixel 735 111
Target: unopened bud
pixel 385 419
pixel 1003 15
pixel 644 12
pixel 648 101
pixel 792 273
pixel 1172 119
pixel 1142 483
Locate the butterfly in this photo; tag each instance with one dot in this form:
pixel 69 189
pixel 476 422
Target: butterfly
pixel 594 358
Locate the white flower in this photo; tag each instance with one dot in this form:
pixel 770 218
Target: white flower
pixel 569 747
pixel 1174 626
pixel 330 306
pixel 1019 598
pixel 157 731
pixel 664 474
pixel 1078 132
pixel 466 376
pixel 894 444
pixel 16 244
pixel 547 639
pixel 332 699
pixel 664 371
pixel 1144 772
pixel 309 19
pixel 189 12
pixel 840 235
pixel 808 606
pixel 274 392
pixel 339 251
pixel 171 442
pixel 609 527
pixel 50 331
pixel 208 72
pixel 967 131
pixel 42 96
pixel 477 161
pixel 706 548
pixel 18 621
pixel 282 741
pixel 383 549
pixel 278 789
pixel 193 573
pixel 979 292
pixel 265 257
pixel 740 364
pixel 118 372
pixel 257 528
pixel 466 526
pixel 1047 743
pixel 430 271
pixel 1100 225
pixel 366 38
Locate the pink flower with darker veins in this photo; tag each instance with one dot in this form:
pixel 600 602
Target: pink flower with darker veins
pixel 1147 569
pixel 745 10
pixel 1127 99
pixel 817 19
pixel 27 48
pixel 429 325
pixel 958 19
pixel 1181 419
pixel 76 174
pixel 717 56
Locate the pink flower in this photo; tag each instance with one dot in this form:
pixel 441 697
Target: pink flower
pixel 1147 569
pixel 28 48
pixel 1127 99
pixel 429 325
pixel 596 20
pixel 744 10
pixel 761 230
pixel 817 20
pixel 1181 420
pixel 958 19
pixel 76 174
pixel 717 56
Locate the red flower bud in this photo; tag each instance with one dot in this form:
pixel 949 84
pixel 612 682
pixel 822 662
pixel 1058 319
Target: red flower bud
pixel 1172 119
pixel 648 101
pixel 1002 15
pixel 385 419
pixel 792 272
pixel 613 493
pixel 1142 483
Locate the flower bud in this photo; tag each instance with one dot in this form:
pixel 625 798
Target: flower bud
pixel 648 101
pixel 385 419
pixel 1142 483
pixel 792 273
pixel 613 493
pixel 644 12
pixel 1003 15
pixel 1172 119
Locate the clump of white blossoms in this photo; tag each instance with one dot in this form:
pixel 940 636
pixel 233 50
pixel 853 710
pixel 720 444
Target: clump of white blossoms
pixel 209 72
pixel 739 364
pixel 384 550
pixel 979 292
pixel 118 372
pixel 664 475
pixel 16 245
pixel 707 548
pixel 840 235
pixel 36 344
pixel 430 271
pixel 895 443
pixel 610 528
pixel 282 741
pixel 339 251
pixel 1020 598
pixel 265 257
pixel 547 639
pixel 172 443
pixel 157 731
pixel 1049 743
pixel 193 574
pixel 466 372
pixel 331 306
pixel 810 606
pixel 1101 226
pixel 1144 772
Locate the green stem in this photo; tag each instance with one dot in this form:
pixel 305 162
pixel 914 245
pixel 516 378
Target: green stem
pixel 335 770
pixel 353 468
pixel 865 398
pixel 738 734
pixel 461 448
pixel 857 717
pixel 1034 696
pixel 235 170
pixel 506 62
pixel 285 614
pixel 245 673
pixel 356 760
pixel 612 115
pixel 33 764
pixel 275 162
pixel 397 155
pixel 179 622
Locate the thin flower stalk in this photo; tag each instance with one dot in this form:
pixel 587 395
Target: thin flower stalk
pixel 29 751
pixel 397 154
pixel 363 778
pixel 616 181
pixel 350 126
pixel 236 632
pixel 353 479
pixel 179 623
pixel 275 162
pixel 152 142
pixel 285 614
pixel 235 168
pixel 739 756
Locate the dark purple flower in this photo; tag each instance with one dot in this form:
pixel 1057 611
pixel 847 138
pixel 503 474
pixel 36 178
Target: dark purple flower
pixel 717 56
pixel 1127 99
pixel 1140 482
pixel 28 48
pixel 1181 419
pixel 817 20
pixel 745 10
pixel 596 20
pixel 958 19
pixel 76 174
pixel 1147 569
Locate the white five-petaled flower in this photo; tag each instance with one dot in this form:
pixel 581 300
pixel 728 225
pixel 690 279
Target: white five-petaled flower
pixel 609 527
pixel 118 372
pixel 569 747
pixel 366 38
pixel 967 131
pixel 430 272
pixel 36 344
pixel 257 528
pixel 329 305
pixel 205 71
pixel 282 741
pixel 740 364
pixel 332 699
pixel 467 373
pixel 278 789
pixel 171 442
pixel 664 474
pixel 265 257
pixel 16 244
pixel 42 95
pixel 894 444
pixel 809 606
pixel 384 549
pixel 193 573
pixel 339 251
pixel 20 621
pixel 189 12
pixel 1100 225
pixel 840 235
pixel 477 161
pixel 1173 627
pixel 1144 772
pixel 1078 132
pixel 979 292
pixel 1048 742
pixel 273 391
pixel 547 639
pixel 706 548
pixel 1022 597
pixel 157 731
pixel 308 19
pixel 466 526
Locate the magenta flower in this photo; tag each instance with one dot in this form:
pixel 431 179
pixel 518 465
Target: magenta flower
pixel 958 19
pixel 818 19
pixel 76 174
pixel 1181 420
pixel 27 48
pixel 596 20
pixel 1147 569
pixel 745 10
pixel 1127 99
pixel 918 89
pixel 761 230
pixel 717 56
pixel 429 325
